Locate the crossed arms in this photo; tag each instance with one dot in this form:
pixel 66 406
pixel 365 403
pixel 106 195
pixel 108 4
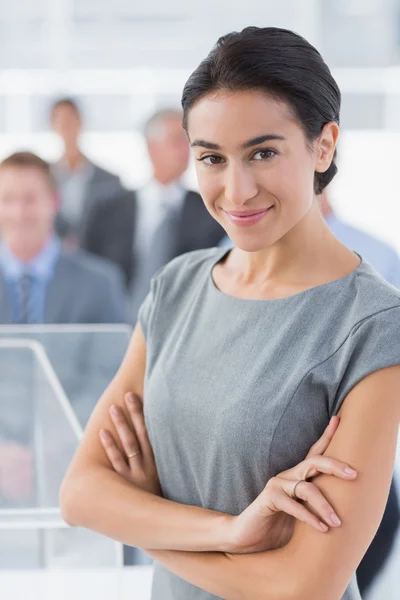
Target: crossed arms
pixel 189 541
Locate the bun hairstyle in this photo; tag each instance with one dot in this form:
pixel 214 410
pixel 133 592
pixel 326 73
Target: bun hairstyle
pixel 281 63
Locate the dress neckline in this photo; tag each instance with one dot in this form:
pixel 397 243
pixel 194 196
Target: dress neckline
pixel 298 295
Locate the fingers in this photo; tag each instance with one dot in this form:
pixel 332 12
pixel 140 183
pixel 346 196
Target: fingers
pixel 322 444
pixel 320 515
pixel 114 454
pixel 299 512
pixel 135 410
pixel 310 493
pixel 128 437
pixel 323 464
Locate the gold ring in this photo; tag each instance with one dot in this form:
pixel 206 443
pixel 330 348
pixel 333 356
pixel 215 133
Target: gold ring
pixel 132 455
pixel 294 489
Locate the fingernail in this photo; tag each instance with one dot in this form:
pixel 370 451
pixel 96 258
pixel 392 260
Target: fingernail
pixel 114 410
pixel 103 434
pixel 349 471
pixel 335 520
pixel 129 399
pixel 323 526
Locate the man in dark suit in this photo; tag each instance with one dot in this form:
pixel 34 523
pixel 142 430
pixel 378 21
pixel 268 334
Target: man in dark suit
pixel 143 230
pixel 82 185
pixel 39 282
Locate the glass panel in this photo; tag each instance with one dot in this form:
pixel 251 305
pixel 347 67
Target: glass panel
pixel 84 357
pixel 39 433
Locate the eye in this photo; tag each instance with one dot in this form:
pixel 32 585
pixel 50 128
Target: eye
pixel 264 154
pixel 211 159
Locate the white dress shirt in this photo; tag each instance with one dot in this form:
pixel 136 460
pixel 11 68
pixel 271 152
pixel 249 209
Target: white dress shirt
pixel 153 201
pixel 72 186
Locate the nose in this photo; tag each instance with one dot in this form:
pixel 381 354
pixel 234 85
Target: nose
pixel 240 185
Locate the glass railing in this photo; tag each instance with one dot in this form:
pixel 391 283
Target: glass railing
pixel 39 433
pixel 84 357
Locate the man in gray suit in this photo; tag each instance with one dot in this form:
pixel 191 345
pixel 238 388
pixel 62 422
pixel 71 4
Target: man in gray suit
pixel 40 282
pixel 82 185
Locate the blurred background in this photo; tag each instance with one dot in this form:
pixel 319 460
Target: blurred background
pixel 121 63
pixel 124 59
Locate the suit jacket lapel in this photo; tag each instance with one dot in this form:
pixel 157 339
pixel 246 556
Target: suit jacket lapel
pixel 58 293
pixel 186 224
pixel 127 232
pixel 5 305
pixel 88 199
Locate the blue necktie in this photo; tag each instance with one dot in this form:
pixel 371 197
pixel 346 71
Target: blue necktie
pixel 24 298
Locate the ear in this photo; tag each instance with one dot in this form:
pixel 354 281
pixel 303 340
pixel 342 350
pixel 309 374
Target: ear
pixel 325 146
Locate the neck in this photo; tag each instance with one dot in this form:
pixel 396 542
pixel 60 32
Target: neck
pixel 325 206
pixel 307 254
pixel 73 157
pixel 29 251
pixel 162 178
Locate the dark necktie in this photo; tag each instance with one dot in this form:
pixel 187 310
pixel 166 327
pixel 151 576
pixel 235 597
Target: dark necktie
pixel 24 294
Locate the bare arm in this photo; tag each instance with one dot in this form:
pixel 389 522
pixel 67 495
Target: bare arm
pixel 312 566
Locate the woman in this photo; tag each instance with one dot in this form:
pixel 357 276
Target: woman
pixel 243 356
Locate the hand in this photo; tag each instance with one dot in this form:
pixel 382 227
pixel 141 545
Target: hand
pixel 16 472
pixel 268 522
pixel 136 463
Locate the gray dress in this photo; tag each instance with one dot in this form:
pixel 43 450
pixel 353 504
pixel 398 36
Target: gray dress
pixel 238 390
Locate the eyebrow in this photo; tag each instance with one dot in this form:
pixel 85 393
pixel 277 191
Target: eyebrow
pixel 253 142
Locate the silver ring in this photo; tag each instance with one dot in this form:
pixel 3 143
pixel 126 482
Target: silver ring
pixel 132 455
pixel 294 489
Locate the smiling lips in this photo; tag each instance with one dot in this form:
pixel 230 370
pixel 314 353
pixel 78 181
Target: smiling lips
pixel 245 218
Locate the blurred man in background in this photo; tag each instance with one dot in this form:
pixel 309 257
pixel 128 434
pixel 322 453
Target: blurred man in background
pixel 39 282
pixel 147 228
pixel 81 184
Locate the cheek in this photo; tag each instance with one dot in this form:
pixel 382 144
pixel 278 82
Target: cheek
pixel 210 187
pixel 291 182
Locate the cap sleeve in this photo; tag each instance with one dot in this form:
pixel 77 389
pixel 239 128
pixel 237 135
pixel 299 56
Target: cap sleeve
pixel 373 344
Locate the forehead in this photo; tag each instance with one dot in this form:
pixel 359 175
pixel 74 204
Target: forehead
pixel 21 178
pixel 65 110
pixel 231 118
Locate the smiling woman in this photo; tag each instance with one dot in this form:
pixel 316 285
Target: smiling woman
pixel 242 358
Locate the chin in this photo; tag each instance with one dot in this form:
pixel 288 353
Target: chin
pixel 248 244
